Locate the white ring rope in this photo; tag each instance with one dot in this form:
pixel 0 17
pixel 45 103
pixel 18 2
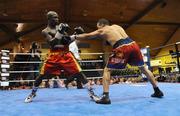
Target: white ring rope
pixel 33 71
pixel 50 79
pixel 38 71
pixel 47 53
pixel 29 62
pixel 25 62
pixel 86 70
pixel 46 79
pixel 91 53
pixel 91 61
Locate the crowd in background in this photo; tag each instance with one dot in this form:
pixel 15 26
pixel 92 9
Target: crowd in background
pixel 59 83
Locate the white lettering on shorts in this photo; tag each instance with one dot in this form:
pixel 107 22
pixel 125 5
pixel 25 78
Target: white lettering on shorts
pixel 117 60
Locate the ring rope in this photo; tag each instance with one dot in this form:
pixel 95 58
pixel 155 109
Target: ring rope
pixel 86 70
pixel 164 46
pixel 11 81
pixel 38 71
pixel 24 62
pixel 65 79
pixel 23 71
pixel 42 62
pixel 47 53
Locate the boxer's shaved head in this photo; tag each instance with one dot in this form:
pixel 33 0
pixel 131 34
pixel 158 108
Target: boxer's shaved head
pixel 53 18
pixel 51 14
pixel 102 22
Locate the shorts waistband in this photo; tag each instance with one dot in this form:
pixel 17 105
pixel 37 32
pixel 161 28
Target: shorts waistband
pixel 57 52
pixel 122 42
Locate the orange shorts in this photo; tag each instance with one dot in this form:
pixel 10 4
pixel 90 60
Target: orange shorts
pixel 58 60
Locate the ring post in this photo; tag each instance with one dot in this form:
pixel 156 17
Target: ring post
pixel 5 59
pixel 177 54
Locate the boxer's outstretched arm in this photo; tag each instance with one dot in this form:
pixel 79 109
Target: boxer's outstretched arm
pixel 91 35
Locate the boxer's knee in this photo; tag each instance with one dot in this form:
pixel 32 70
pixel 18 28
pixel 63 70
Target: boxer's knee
pixel 38 81
pixel 81 77
pixel 144 69
pixel 106 75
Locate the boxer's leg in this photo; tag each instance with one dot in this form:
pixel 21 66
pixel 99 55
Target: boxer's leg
pixel 38 81
pixel 157 92
pixel 106 81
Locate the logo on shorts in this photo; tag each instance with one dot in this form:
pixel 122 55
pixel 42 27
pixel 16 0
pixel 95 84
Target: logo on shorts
pixel 117 60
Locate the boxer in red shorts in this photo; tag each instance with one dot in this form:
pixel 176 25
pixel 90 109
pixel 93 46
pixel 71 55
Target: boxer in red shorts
pixel 125 50
pixel 59 57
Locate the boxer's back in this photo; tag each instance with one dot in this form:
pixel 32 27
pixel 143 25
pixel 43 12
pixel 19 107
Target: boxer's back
pixel 113 33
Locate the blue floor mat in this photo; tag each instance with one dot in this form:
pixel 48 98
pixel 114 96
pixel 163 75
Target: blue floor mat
pixel 127 100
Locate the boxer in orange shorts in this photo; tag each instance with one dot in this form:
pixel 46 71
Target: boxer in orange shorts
pixel 59 57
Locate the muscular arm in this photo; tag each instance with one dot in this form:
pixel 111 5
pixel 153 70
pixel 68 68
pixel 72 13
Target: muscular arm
pixel 50 37
pixel 94 34
pixel 52 40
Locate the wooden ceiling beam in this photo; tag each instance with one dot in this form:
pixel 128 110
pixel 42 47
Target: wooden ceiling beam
pixel 14 36
pixel 157 23
pixel 124 23
pixel 13 20
pixel 11 35
pixel 22 33
pixel 143 13
pixel 168 39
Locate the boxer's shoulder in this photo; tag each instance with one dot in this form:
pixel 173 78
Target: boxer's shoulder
pixel 45 30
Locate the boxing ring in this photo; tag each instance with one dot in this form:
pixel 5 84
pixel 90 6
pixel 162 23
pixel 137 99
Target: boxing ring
pixel 127 99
